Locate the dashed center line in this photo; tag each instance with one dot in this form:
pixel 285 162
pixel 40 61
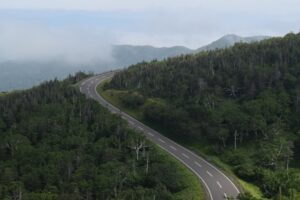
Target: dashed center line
pixel 185 155
pixel 198 164
pixel 141 128
pixel 161 140
pixel 219 184
pixel 173 147
pixel 209 173
pixel 150 134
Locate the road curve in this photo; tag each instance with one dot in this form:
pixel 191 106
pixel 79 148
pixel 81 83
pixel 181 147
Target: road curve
pixel 217 184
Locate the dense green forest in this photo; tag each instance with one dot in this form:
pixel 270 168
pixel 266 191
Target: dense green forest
pixel 244 102
pixel 56 144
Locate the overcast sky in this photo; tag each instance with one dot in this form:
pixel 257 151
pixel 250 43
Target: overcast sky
pixel 28 27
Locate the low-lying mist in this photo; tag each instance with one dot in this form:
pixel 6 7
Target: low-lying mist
pixel 22 42
pixel 32 53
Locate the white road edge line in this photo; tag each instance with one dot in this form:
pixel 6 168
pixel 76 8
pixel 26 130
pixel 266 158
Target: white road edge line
pixel 209 173
pixel 203 181
pixel 238 191
pixel 225 195
pixel 218 183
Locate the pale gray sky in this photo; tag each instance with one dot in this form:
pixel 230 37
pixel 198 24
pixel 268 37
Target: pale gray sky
pixel 60 26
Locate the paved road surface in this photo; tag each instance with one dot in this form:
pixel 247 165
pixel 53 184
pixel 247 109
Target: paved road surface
pixel 217 184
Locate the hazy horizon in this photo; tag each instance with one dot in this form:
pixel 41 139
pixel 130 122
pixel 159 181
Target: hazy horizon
pixel 81 32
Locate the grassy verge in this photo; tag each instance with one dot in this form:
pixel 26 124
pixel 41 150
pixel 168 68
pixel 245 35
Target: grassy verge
pixel 193 189
pixel 199 147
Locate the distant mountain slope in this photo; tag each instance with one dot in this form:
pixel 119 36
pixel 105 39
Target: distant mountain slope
pixel 129 54
pixel 21 75
pixel 229 40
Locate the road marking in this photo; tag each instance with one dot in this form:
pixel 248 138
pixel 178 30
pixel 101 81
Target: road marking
pixel 161 140
pixel 130 122
pixel 185 155
pixel 197 174
pixel 209 173
pixel 198 164
pixel 150 134
pixel 141 128
pixel 173 147
pixel 219 184
pixel 238 191
pixel 225 195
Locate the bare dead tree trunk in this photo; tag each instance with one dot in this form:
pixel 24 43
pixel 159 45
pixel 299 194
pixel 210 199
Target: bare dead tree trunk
pixel 80 113
pixel 235 139
pixel 211 68
pixel 119 137
pixel 137 148
pixel 280 192
pixel 115 192
pixel 20 193
pixel 223 141
pixel 69 170
pixel 147 163
pixel 133 168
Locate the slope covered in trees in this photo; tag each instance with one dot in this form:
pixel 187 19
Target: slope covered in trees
pixel 244 101
pixel 16 75
pixel 56 144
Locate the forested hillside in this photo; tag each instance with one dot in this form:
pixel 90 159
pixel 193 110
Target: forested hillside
pixel 56 144
pixel 16 75
pixel 244 102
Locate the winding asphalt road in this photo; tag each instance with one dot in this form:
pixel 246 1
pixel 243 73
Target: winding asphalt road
pixel 217 184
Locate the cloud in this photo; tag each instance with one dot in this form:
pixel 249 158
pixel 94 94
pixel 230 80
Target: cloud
pixel 22 41
pixel 102 5
pixel 191 23
pixel 278 6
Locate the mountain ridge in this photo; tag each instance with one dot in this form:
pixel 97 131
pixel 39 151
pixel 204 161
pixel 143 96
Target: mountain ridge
pixel 229 40
pixel 33 73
